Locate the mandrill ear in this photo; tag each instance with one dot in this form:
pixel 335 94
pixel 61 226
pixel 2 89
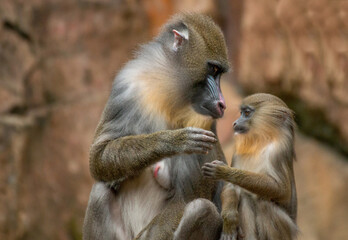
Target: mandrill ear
pixel 179 38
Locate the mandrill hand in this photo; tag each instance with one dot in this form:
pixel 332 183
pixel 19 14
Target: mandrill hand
pixel 214 170
pixel 231 229
pixel 237 234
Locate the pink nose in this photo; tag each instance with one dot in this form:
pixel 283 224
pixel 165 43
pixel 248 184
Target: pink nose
pixel 221 105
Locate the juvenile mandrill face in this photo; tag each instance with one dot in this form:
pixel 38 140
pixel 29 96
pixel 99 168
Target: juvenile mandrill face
pixel 207 98
pixel 242 124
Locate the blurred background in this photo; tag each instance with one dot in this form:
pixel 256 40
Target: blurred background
pixel 58 59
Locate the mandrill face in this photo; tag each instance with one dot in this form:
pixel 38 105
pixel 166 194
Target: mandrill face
pixel 242 124
pixel 207 98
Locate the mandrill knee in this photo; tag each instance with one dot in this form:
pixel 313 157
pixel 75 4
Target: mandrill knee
pixel 201 208
pixel 201 220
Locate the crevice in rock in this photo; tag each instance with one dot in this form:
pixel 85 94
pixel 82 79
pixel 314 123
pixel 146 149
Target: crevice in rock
pixel 19 110
pixel 16 29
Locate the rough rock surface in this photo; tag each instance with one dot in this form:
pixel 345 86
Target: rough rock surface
pixel 57 63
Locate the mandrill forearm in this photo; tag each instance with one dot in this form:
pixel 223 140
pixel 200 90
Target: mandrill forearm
pixel 126 156
pixel 119 159
pixel 260 184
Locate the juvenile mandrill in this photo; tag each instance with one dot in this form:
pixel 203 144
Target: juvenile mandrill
pixel 260 200
pixel 162 107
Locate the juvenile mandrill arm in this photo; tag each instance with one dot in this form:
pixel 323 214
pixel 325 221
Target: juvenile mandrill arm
pixel 261 184
pixel 124 157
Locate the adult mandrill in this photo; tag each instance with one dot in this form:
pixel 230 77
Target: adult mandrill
pixel 163 106
pixel 261 201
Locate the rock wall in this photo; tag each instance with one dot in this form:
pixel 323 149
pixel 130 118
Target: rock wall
pixel 57 62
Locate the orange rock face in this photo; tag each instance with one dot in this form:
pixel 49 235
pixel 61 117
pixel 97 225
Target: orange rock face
pixel 57 63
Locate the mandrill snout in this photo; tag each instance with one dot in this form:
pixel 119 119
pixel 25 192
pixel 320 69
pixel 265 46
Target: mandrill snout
pixel 218 108
pixel 221 105
pixel 239 127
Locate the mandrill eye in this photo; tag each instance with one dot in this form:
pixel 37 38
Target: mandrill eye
pixel 216 70
pixel 247 113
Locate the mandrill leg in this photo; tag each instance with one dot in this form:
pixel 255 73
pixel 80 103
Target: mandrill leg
pixel 198 220
pixel 201 221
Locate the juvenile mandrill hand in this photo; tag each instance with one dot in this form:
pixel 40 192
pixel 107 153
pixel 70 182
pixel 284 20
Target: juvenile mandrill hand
pixel 214 170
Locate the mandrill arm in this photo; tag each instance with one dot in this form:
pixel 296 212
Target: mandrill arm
pixel 263 185
pixel 118 159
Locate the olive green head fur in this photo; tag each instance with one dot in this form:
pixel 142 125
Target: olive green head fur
pixel 205 42
pixel 179 59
